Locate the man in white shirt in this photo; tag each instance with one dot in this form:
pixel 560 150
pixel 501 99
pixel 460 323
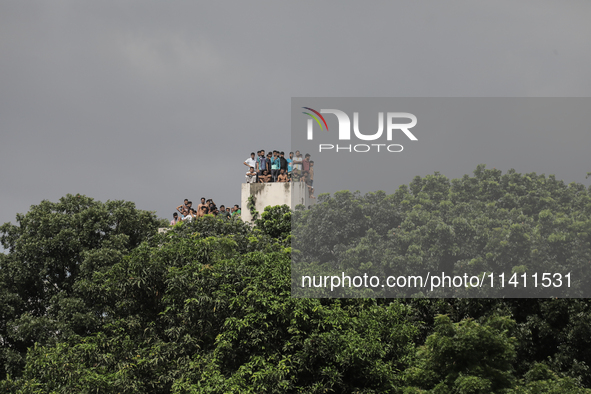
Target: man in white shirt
pixel 298 160
pixel 251 161
pixel 190 216
pixel 251 176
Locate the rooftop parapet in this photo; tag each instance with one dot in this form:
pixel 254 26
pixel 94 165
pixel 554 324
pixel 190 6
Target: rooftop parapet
pixel 271 194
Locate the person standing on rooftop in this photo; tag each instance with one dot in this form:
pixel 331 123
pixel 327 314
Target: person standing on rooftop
pixel 297 161
pixel 260 166
pixel 251 161
pixel 263 163
pixel 283 162
pixel 275 165
pixel 290 165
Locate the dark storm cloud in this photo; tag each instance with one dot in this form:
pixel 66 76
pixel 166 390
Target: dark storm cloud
pixel 157 101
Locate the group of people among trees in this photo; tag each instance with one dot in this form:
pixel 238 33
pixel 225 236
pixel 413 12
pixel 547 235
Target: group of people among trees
pixel 187 212
pixel 275 167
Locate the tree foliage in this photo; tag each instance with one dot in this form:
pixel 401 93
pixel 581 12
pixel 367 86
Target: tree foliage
pixel 491 222
pixel 93 299
pixel 52 251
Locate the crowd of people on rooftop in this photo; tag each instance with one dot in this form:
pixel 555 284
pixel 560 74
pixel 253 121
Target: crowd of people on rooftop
pixel 187 212
pixel 275 167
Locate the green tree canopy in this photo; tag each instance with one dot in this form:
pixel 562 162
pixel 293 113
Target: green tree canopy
pixel 491 222
pixel 93 299
pixel 52 250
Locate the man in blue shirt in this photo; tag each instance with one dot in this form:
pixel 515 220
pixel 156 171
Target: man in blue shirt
pixel 290 165
pixel 283 161
pixel 275 165
pixel 261 163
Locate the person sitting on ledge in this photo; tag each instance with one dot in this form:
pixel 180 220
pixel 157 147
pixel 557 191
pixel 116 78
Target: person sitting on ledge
pixel 202 212
pixel 282 176
pixel 296 175
pixel 310 192
pixel 191 215
pixel 266 177
pixel 251 176
pixel 175 219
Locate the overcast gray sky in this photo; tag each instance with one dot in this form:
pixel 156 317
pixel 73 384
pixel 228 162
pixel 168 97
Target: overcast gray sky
pixel 156 101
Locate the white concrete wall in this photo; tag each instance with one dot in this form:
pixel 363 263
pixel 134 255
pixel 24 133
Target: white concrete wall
pixel 270 194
